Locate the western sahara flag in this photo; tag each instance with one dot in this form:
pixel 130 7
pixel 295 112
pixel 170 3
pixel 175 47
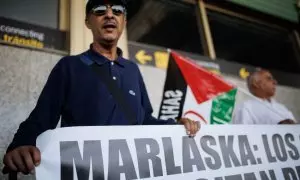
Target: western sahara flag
pixel 196 93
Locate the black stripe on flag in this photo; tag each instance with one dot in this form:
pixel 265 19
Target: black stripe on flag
pixel 174 92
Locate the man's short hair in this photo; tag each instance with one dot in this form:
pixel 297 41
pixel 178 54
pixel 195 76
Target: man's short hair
pixel 253 77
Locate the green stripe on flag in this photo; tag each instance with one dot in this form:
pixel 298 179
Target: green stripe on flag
pixel 222 108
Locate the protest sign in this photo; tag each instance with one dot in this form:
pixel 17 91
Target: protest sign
pixel 219 152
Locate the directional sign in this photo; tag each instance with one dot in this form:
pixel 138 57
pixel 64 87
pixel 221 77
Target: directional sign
pixel 142 57
pixel 17 33
pixel 159 56
pixel 244 73
pixel 161 59
pixel 146 55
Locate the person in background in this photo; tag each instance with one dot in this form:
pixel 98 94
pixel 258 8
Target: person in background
pixel 264 109
pixel 76 94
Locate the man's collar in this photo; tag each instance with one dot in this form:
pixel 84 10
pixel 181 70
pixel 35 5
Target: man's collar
pixel 100 59
pixel 271 100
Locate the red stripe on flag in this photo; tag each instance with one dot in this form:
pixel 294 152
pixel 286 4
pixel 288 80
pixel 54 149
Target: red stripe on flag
pixel 204 84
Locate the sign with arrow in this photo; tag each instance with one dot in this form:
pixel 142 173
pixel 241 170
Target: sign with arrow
pixel 142 57
pixel 159 57
pixel 244 73
pixel 147 55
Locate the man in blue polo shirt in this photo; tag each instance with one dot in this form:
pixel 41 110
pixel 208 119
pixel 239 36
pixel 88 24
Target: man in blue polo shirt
pixel 76 94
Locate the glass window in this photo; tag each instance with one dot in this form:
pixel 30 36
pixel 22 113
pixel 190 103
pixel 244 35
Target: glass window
pixel 251 43
pixel 38 12
pixel 168 23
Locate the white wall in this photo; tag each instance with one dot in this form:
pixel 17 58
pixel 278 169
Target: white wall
pixel 23 74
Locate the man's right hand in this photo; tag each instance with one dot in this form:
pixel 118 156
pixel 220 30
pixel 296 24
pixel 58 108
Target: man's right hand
pixel 22 159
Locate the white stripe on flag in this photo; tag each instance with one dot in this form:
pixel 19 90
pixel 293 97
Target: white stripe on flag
pixel 219 120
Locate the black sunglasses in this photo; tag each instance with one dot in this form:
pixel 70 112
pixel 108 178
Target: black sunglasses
pixel 101 10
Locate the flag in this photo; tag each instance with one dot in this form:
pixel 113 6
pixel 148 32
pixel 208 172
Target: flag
pixel 196 93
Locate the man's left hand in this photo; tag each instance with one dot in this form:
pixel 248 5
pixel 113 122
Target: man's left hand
pixel 192 127
pixel 287 121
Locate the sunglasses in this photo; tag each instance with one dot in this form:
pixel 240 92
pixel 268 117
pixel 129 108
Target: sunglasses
pixel 116 9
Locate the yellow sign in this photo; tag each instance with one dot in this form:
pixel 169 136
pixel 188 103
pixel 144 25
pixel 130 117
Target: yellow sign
pixel 23 41
pixel 244 73
pixel 142 57
pixel 161 59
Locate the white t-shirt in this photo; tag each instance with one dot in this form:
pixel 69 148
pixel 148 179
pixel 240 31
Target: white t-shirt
pixel 259 111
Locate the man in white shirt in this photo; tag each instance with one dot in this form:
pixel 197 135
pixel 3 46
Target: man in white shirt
pixel 263 109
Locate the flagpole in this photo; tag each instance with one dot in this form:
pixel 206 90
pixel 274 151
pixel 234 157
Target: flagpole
pixel 206 28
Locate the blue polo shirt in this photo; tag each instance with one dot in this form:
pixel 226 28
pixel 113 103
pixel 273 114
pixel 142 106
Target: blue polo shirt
pixel 75 93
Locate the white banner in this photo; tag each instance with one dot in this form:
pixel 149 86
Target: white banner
pixel 218 152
